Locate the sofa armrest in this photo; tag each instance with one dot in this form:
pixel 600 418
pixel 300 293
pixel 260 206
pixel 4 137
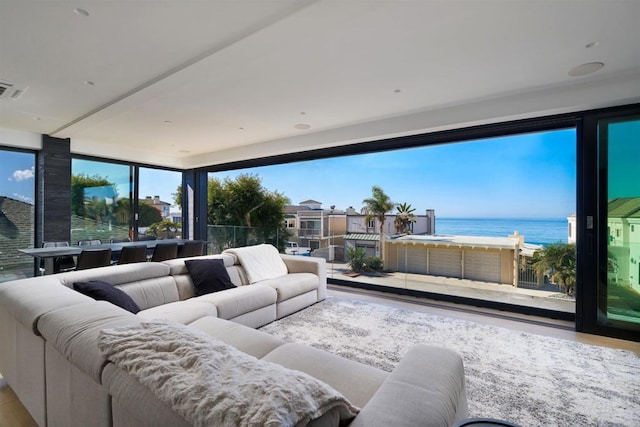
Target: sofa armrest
pixel 427 388
pixel 304 264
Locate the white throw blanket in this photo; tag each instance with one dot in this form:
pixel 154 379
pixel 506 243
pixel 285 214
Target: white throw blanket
pixel 211 383
pixel 260 262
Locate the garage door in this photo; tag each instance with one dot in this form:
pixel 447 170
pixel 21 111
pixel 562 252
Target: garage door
pixel 445 262
pixel 416 259
pixel 482 266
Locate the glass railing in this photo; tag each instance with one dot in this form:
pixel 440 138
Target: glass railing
pixel 221 237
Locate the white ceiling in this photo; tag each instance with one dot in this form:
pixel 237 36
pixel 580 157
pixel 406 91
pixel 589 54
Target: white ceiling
pixel 191 83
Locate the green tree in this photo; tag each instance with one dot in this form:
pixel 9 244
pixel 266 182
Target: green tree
pixel 404 218
pixel 177 197
pixel 244 202
pixel 147 214
pixel 377 207
pixel 559 261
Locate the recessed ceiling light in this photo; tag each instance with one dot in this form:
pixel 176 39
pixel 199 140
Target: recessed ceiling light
pixel 81 12
pixel 592 44
pixel 168 122
pixel 302 126
pixel 584 69
pixel 89 83
pixel 302 113
pixel 397 91
pixel 37 118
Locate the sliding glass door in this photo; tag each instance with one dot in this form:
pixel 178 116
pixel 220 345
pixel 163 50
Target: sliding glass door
pixel 618 296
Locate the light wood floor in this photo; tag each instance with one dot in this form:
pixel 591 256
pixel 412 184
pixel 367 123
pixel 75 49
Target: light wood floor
pixel 13 414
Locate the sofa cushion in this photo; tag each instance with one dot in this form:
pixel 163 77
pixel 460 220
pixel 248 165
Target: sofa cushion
pixel 356 381
pixel 103 291
pixel 238 301
pixel 183 312
pixel 292 285
pixel 208 275
pixel 260 262
pixel 244 338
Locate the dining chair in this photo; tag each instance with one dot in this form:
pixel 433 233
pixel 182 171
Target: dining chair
pixel 164 251
pixel 130 254
pixel 191 248
pixel 92 258
pixel 61 263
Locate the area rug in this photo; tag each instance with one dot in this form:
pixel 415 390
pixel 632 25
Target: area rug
pixel 521 377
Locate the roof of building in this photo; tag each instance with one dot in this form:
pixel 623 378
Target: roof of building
pixel 624 207
pixel 457 241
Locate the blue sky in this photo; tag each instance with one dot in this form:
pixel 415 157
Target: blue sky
pixel 523 176
pixel 17 175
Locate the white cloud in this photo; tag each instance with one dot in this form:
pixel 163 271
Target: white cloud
pixel 23 198
pixel 22 175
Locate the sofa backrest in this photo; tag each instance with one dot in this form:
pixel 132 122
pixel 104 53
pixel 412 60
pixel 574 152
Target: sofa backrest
pixel 149 284
pixel 27 299
pixel 179 271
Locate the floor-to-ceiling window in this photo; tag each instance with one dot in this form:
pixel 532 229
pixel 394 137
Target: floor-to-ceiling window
pixel 488 218
pixel 17 198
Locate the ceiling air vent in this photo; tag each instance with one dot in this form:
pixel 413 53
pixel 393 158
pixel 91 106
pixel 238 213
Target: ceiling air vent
pixel 10 90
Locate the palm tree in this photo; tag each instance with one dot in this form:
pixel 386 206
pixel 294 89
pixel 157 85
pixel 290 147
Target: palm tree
pixel 404 218
pixel 559 259
pixel 377 207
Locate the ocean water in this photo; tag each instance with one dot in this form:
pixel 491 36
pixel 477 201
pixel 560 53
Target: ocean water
pixel 536 231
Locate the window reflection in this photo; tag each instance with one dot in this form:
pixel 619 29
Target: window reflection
pixel 622 300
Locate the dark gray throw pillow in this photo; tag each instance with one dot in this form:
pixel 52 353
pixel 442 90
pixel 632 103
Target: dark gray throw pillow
pixel 208 275
pixel 104 291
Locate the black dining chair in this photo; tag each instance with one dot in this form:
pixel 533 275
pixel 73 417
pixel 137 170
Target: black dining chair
pixel 92 258
pixel 130 254
pixel 191 248
pixel 61 263
pixel 164 251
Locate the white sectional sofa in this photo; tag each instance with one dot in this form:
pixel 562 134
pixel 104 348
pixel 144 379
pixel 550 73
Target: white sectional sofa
pixel 50 357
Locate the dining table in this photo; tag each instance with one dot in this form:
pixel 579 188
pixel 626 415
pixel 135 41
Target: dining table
pixel 50 253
